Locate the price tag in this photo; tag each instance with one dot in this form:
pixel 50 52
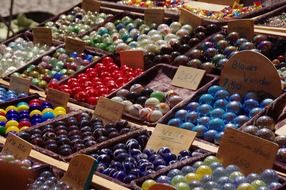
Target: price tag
pixel 42 35
pixel 108 110
pixel 188 77
pixel 73 45
pixel 16 146
pixel 154 15
pixel 250 71
pixel 250 153
pixel 132 58
pixel 245 27
pixel 80 172
pixel 19 84
pixel 186 17
pixel 173 137
pixel 281 130
pixel 57 98
pixel 91 5
pixel 161 186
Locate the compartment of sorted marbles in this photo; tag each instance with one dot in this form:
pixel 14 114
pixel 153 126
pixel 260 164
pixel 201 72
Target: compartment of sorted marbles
pixel 98 79
pixel 64 137
pixel 75 22
pixel 208 172
pixel 128 31
pixel 24 113
pixel 214 52
pixel 237 11
pixel 48 70
pixel 212 109
pixel 150 96
pixel 125 160
pixel 266 123
pixel 275 18
pixel 19 51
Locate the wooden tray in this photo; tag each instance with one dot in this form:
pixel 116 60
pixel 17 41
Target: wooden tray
pixel 160 77
pixel 124 139
pixel 39 60
pixel 221 22
pixel 136 184
pixel 134 128
pixel 28 37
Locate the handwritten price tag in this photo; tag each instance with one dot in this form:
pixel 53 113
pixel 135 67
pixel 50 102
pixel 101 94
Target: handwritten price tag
pixel 175 138
pixel 73 45
pixel 80 172
pixel 250 71
pixel 154 15
pixel 132 58
pixel 109 110
pixel 250 153
pixel 57 98
pixel 16 146
pixel 91 5
pixel 19 84
pixel 188 77
pixel 245 27
pixel 42 35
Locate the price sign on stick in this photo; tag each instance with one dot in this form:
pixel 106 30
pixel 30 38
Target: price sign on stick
pixel 57 98
pixel 19 84
pixel 108 110
pixel 42 35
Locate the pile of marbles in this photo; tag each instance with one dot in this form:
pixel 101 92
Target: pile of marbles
pixel 18 53
pixel 25 163
pixel 217 109
pixel 129 160
pixel 102 79
pixel 211 174
pixel 128 33
pixel 215 52
pixel 9 95
pixel 47 180
pixel 75 23
pixel 226 13
pixel 26 114
pixel 264 127
pixel 54 68
pixel 145 103
pixel 75 133
pixel 153 3
pixel 276 21
pixel 174 52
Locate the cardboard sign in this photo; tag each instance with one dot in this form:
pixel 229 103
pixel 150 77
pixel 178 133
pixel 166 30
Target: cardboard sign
pixel 91 5
pixel 16 146
pixel 154 15
pixel 161 186
pixel 175 138
pixel 281 130
pixel 250 71
pixel 245 27
pixel 14 177
pixel 57 98
pixel 73 45
pixel 108 110
pixel 42 35
pixel 220 2
pixel 248 152
pixel 188 77
pixel 132 58
pixel 19 84
pixel 80 172
pixel 186 17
